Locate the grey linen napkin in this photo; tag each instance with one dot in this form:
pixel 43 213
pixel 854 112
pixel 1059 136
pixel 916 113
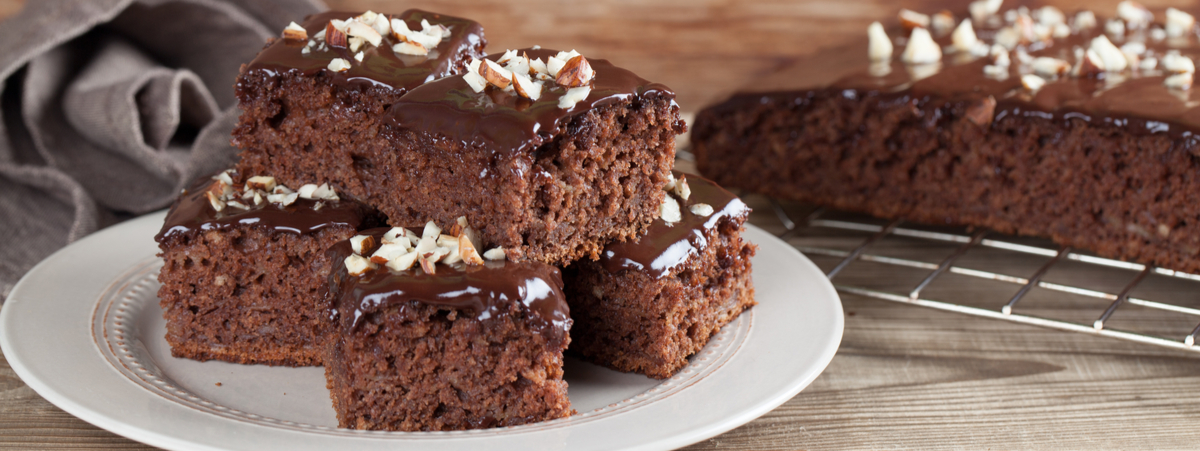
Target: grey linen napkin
pixel 110 107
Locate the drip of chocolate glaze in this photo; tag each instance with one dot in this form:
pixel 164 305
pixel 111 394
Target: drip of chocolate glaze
pixel 192 212
pixel 1136 101
pixel 484 291
pixel 502 122
pixel 380 65
pixel 665 247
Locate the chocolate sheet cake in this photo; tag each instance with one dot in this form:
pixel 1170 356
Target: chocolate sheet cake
pixel 434 346
pixel 1032 122
pixel 550 179
pixel 649 304
pixel 243 281
pixel 314 102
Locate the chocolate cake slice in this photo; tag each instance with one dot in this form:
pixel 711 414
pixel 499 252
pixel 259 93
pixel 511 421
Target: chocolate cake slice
pixel 554 165
pixel 315 99
pixel 1029 122
pixel 244 269
pixel 649 304
pixel 428 336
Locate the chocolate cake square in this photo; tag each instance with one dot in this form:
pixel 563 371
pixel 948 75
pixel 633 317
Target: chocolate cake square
pixel 427 336
pixel 244 269
pixel 313 102
pixel 553 165
pixel 649 304
pixel 1078 128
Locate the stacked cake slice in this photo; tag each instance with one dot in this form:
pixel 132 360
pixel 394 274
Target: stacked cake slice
pixel 557 160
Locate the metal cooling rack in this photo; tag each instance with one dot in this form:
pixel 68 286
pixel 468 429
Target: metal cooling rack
pixel 967 241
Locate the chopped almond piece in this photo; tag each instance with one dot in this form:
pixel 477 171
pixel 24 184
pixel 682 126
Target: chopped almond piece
pixel 335 37
pixel 575 73
pixel 295 31
pixel 468 252
pixel 494 74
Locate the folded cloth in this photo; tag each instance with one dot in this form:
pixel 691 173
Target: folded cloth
pixel 110 107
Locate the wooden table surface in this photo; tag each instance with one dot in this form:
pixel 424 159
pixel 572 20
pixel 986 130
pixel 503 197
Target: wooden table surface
pixel 905 376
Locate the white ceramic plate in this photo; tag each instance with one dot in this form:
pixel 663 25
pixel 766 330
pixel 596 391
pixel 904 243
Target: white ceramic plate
pixel 84 330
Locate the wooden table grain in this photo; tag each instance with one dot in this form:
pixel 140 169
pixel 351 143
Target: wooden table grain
pixel 905 377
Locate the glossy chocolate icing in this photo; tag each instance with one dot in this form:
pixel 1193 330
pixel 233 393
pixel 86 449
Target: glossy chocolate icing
pixel 192 212
pixel 380 65
pixel 500 121
pixel 665 247
pixel 1136 100
pixel 485 291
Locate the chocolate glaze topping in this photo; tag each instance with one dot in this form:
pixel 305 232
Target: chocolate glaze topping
pixel 485 291
pixel 501 121
pixel 1136 100
pixel 192 212
pixel 380 66
pixel 665 247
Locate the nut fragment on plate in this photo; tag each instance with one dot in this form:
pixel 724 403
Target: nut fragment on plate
pixel 295 32
pixel 1135 15
pixel 1181 81
pixel 942 22
pixel 1175 63
pixel 1050 67
pixel 983 9
pixel 682 189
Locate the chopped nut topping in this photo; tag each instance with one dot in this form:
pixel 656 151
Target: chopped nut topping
pixel 467 251
pixel 921 48
pixel 1050 67
pixel 983 9
pixel 964 40
pixel 335 37
pixel 216 202
pixel 704 210
pixel 1049 16
pixel 494 74
pixel 356 264
pixel 669 210
pixel 880 45
pixel 361 30
pixel 682 189
pixel 1178 23
pixel 1148 64
pixel 670 186
pixel 1176 63
pixel 358 56
pixel 427 265
pixel 1181 81
pixel 1115 28
pixel 361 243
pixel 403 262
pixel 1110 55
pixel 1084 20
pixel 577 72
pixel 431 232
pixel 472 77
pixel 912 19
pixel 1032 82
pixel 527 88
pixel 495 254
pixel 295 32
pixel 942 22
pixel 573 96
pixel 1136 16
pixel 410 48
pixel 339 65
pixel 261 182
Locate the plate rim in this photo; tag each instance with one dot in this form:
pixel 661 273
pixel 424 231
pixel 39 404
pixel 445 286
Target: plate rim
pixel 27 370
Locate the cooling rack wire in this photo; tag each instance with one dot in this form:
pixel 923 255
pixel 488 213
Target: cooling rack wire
pixel 857 237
